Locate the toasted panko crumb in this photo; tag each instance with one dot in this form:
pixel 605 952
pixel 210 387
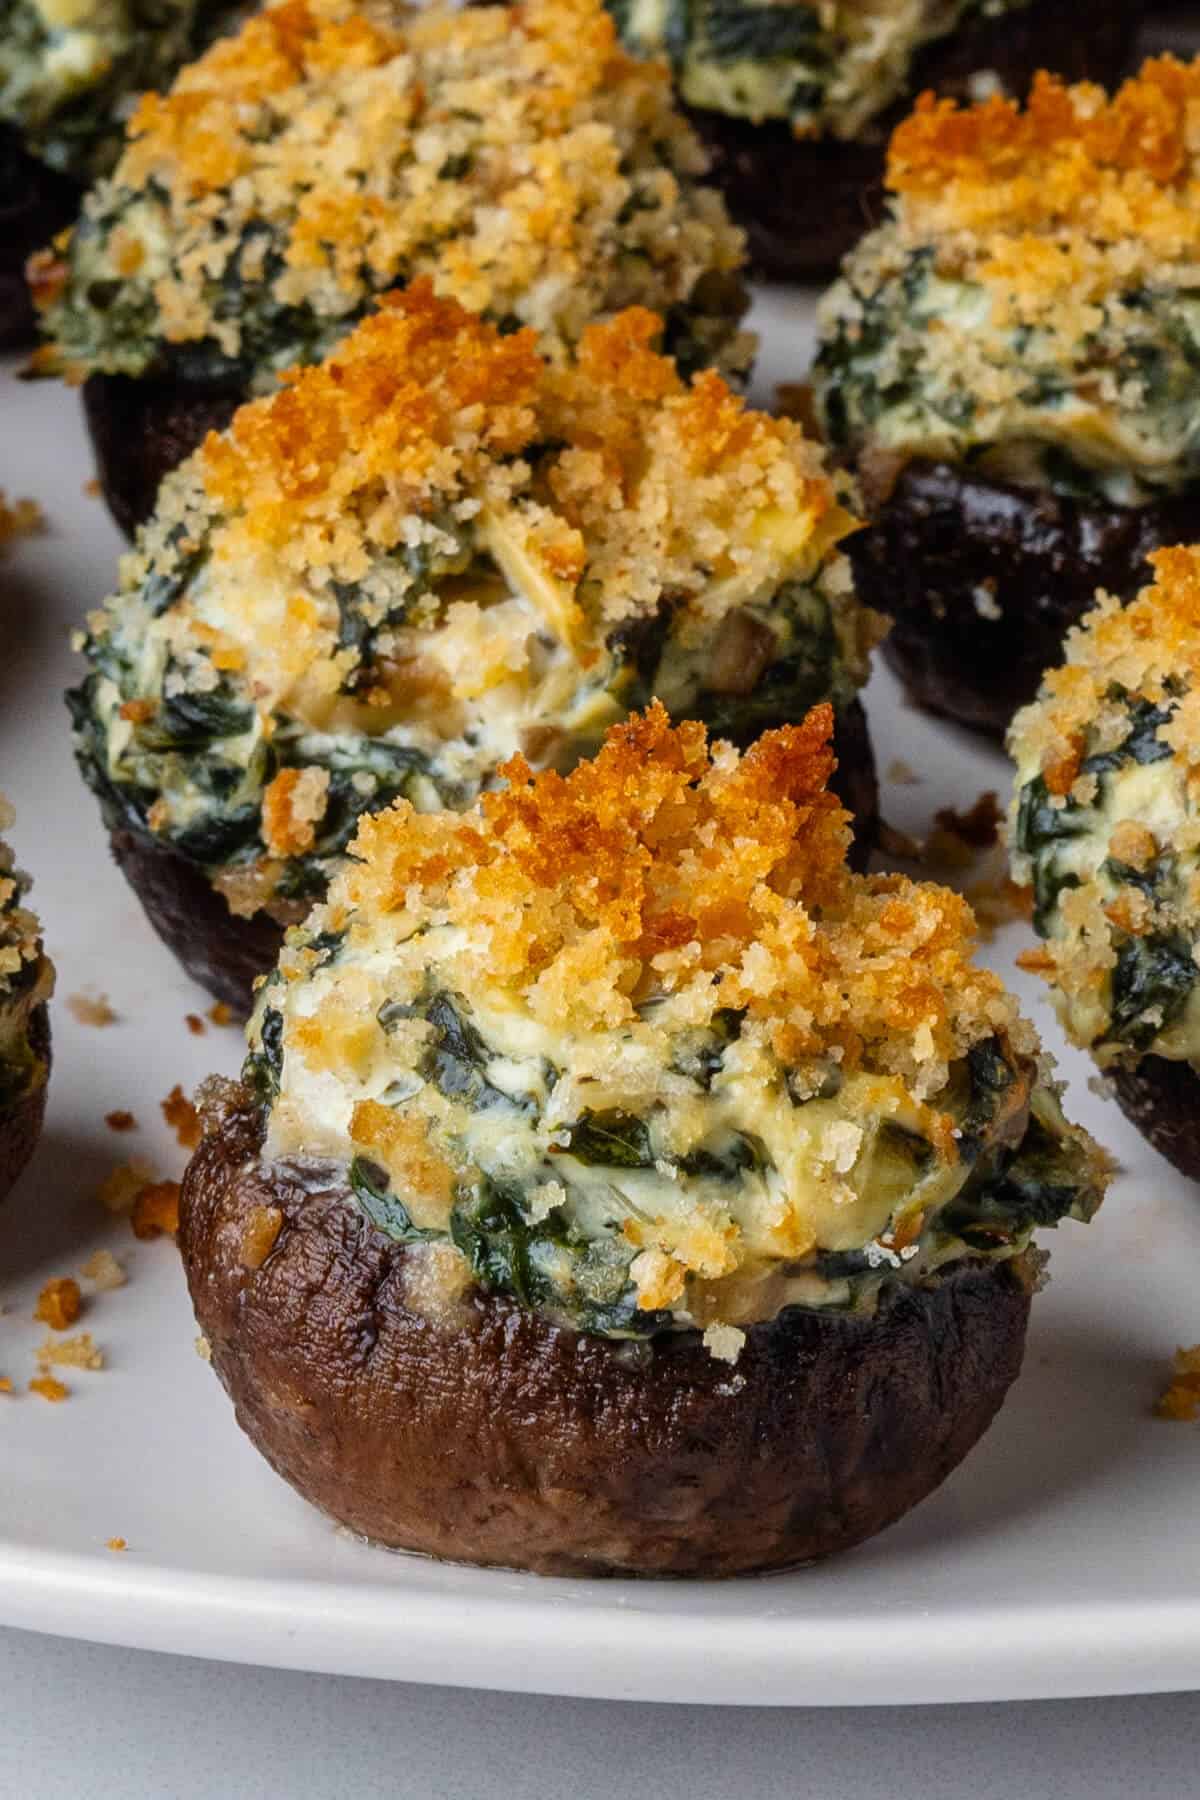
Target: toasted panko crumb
pixel 182 1118
pixel 78 1352
pixel 195 1024
pixel 725 1342
pixel 1181 1399
pixel 220 1013
pixel 49 1388
pixel 104 1271
pixel 156 1210
pixel 902 774
pixel 120 1188
pixel 59 1303
pixel 203 1348
pixel 262 1227
pixel 116 1543
pixel 6 1386
pixel 120 1121
pixel 19 518
pixel 90 1009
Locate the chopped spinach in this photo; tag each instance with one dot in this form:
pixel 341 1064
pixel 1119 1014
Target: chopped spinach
pixel 263 1068
pixel 1153 975
pixel 990 1076
pixel 1036 1185
pixel 615 1140
pixel 187 722
pixel 373 1192
pixel 456 1059
pixel 1141 744
pixel 1041 826
pixel 493 1234
pixel 726 1163
pixel 735 29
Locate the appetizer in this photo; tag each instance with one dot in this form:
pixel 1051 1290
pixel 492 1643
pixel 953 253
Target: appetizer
pixel 324 154
pixel 1105 828
pixel 667 1189
pixel 795 98
pixel 430 551
pixel 69 73
pixel 1012 365
pixel 26 983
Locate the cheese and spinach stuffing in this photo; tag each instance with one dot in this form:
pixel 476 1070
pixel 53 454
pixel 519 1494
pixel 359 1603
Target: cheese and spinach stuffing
pixel 1105 822
pixel 437 549
pixel 637 1049
pixel 26 978
pixel 71 70
pixel 1032 304
pixel 328 152
pixel 829 67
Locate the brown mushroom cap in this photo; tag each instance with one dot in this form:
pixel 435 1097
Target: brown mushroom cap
pixel 1162 1099
pixel 484 1433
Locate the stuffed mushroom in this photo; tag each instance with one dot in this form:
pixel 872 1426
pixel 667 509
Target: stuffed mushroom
pixel 620 1185
pixel 795 98
pixel 325 153
pixel 433 550
pixel 26 983
pixel 69 74
pixel 1012 364
pixel 1105 828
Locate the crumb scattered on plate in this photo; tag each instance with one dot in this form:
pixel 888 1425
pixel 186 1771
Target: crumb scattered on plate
pixel 78 1352
pixel 19 518
pixel 203 1349
pixel 120 1121
pixel 104 1271
pixel 59 1304
pixel 156 1210
pixel 49 1388
pixel 116 1544
pixel 221 1014
pixel 182 1117
pixel 121 1187
pixel 89 1009
pixel 6 1386
pixel 196 1025
pixel 1181 1400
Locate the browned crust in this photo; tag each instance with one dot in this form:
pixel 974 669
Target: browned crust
pixel 945 539
pixel 21 1123
pixel 142 429
pixel 496 1437
pixel 1163 1100
pixel 226 954
pixel 806 202
pixel 35 203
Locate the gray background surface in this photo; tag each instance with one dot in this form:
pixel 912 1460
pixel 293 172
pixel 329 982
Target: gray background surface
pixel 82 1720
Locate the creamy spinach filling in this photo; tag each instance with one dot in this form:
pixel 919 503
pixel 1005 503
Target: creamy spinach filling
pixel 825 68
pixel 1138 989
pixel 69 69
pixel 553 1197
pixel 183 752
pixel 918 362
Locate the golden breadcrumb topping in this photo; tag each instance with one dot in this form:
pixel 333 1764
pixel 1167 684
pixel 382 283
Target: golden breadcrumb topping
pixel 1106 818
pixel 662 866
pixel 658 485
pixel 517 155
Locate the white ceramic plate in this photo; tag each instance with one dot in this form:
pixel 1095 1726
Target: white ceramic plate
pixel 1061 1560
